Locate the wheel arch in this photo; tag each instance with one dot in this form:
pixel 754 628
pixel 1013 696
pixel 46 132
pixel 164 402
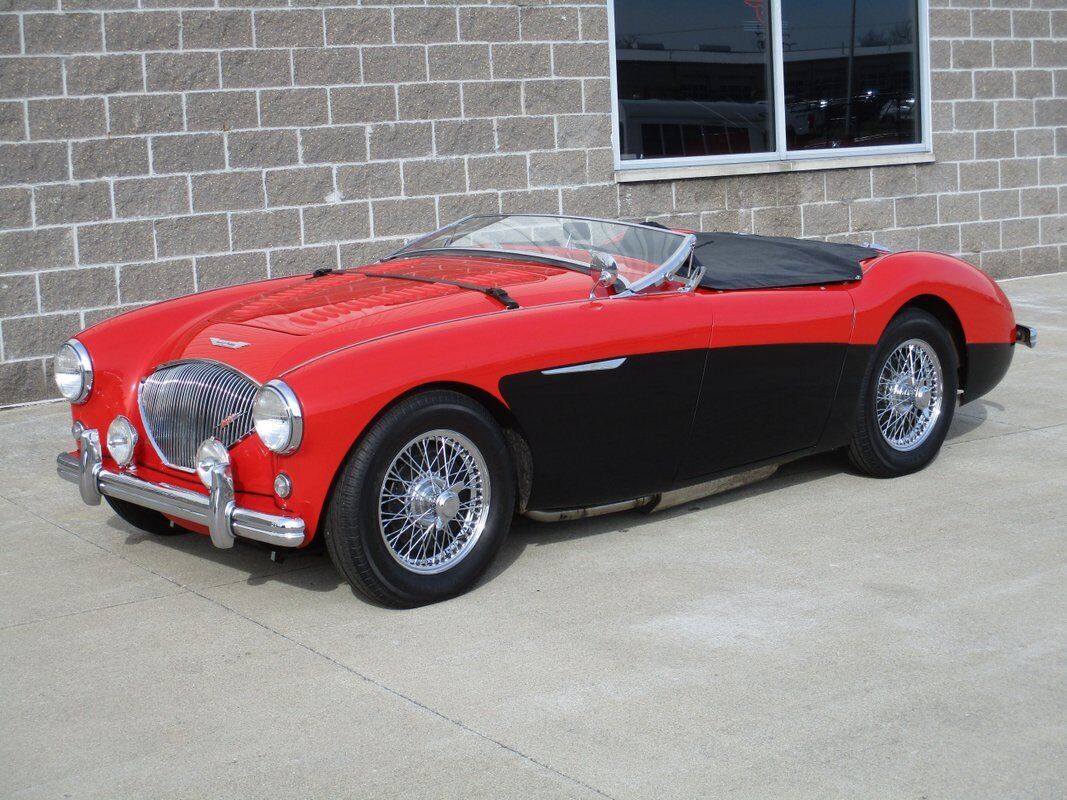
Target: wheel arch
pixel 943 312
pixel 509 426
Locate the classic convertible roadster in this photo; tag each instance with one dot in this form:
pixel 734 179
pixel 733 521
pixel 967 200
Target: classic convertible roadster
pixel 557 367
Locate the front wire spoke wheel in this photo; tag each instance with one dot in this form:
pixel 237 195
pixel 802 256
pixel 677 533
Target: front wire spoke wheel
pixel 909 395
pixel 434 501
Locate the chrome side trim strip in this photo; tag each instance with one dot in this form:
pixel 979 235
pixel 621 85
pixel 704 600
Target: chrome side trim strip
pixel 658 502
pixel 591 366
pixel 589 511
pixel 272 529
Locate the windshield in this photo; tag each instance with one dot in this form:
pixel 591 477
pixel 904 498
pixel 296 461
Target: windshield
pixel 642 253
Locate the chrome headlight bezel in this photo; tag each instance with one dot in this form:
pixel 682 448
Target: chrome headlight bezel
pixel 85 371
pixel 276 404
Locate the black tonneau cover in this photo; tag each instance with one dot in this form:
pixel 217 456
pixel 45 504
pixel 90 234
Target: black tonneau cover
pixel 743 261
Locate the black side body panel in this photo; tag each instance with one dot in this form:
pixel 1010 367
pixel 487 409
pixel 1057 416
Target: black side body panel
pixel 606 435
pixel 842 419
pixel 758 403
pixel 986 366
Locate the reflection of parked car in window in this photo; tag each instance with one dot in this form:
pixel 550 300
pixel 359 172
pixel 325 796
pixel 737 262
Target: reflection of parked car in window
pixel 898 108
pixel 675 128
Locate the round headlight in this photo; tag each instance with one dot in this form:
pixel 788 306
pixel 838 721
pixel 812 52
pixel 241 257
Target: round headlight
pixel 278 419
pixel 73 371
pixel 210 454
pixel 121 440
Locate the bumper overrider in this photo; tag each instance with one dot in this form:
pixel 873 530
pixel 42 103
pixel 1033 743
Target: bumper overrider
pixel 218 511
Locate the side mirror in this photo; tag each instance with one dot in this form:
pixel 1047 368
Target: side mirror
pixel 605 272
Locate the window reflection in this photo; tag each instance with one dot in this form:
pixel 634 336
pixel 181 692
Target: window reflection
pixel 851 70
pixel 694 78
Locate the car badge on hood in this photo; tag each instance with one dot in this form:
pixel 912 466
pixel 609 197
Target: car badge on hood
pixel 227 343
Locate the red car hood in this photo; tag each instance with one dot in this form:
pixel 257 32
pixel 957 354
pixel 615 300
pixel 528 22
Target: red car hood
pixel 290 321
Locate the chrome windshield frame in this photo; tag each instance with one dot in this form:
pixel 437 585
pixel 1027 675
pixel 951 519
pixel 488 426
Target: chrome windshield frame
pixel 677 259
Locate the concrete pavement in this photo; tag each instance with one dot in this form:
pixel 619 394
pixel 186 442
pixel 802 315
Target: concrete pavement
pixel 818 635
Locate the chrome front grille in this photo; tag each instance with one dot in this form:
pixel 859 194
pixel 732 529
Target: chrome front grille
pixel 183 404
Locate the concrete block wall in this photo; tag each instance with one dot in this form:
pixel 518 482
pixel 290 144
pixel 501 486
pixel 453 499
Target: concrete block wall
pixel 151 148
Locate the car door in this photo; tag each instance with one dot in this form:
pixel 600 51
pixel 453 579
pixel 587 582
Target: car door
pixel 770 377
pixel 607 411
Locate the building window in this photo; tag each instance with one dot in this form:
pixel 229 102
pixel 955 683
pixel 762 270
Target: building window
pixel 736 81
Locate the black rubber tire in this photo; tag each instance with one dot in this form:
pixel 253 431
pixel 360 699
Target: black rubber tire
pixel 352 535
pixel 869 452
pixel 144 519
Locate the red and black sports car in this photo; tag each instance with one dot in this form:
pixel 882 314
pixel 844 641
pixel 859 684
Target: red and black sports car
pixel 552 366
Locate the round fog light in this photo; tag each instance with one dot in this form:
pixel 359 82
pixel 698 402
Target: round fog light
pixel 211 453
pixel 283 485
pixel 76 430
pixel 121 440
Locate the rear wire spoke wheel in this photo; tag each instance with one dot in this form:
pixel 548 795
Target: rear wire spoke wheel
pixel 909 394
pixel 423 502
pixel 908 397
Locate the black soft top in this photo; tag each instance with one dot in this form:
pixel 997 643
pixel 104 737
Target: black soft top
pixel 744 261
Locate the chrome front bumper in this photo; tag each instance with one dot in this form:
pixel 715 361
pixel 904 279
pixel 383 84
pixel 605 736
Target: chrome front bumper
pixel 217 510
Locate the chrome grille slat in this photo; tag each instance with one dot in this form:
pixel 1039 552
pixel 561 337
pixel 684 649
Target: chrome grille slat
pixel 184 403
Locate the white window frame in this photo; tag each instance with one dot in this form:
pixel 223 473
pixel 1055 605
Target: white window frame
pixel 780 159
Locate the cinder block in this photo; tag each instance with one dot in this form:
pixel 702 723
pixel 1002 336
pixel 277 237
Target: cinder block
pixel 497 172
pixel 255 68
pixel 67 118
pixel 214 272
pixel 358 26
pixel 224 29
pixel 259 230
pixel 143 30
pixel 159 280
pixel 62 33
pixel 550 23
pixel 404 217
pixel 289 28
pixel 275 148
pixel 434 176
pixel 152 197
pixel 30 163
pixel 30 77
pixel 102 75
pixel 364 103
pixel 334 145
pixel 394 64
pixel 302 260
pixel 145 113
pixel 195 235
pixel 75 289
pixel 488 24
pixel 495 98
pixel 228 191
pixel 221 111
pixel 181 72
pixel 401 140
pixel 423 25
pixel 374 179
pixel 298 186
pixel 196 152
pixel 331 66
pixel 453 62
pixel 336 223
pixel 294 107
pixel 26 337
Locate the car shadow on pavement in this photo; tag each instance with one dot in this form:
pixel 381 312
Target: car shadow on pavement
pixel 304 569
pixel 530 533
